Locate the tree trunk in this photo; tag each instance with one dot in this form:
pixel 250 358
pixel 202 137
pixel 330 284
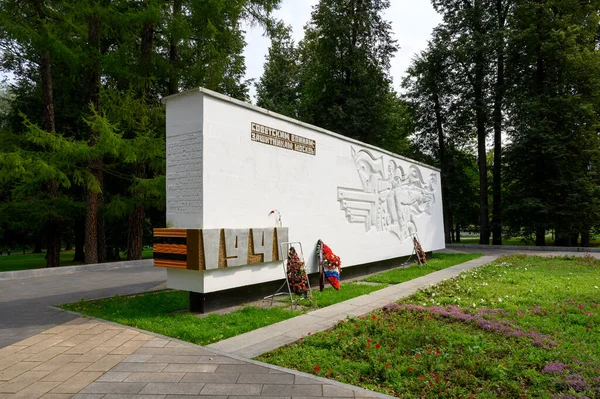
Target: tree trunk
pixel 79 230
pixel 173 53
pixel 574 238
pixel 563 238
pixel 53 232
pixel 457 232
pixel 135 233
pixel 52 225
pixel 101 221
pixel 37 249
pixel 442 155
pixel 585 238
pixel 451 227
pixel 101 234
pixel 498 100
pixel 94 165
pixel 540 236
pixel 484 231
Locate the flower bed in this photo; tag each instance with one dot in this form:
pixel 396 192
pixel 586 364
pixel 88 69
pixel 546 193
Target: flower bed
pixel 522 327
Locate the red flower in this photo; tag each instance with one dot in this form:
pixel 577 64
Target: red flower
pixel 368 340
pixel 421 377
pixel 378 346
pixel 410 369
pixel 308 334
pixel 418 355
pixel 368 346
pixel 373 317
pixel 387 365
pixel 317 368
pixel 356 325
pixel 437 352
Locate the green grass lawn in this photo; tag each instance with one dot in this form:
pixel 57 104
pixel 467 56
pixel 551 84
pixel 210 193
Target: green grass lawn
pixel 594 241
pixel 523 327
pixel 18 261
pixel 154 311
pixel 437 262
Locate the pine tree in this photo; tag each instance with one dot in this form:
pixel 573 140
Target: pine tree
pixel 277 89
pixel 553 157
pixel 344 74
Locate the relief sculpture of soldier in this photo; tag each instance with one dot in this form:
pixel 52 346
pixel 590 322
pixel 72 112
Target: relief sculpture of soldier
pixel 396 198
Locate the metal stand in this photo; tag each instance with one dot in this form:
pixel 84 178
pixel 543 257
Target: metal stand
pixel 285 247
pixel 321 271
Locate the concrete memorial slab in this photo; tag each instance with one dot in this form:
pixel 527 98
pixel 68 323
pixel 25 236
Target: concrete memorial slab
pixel 229 164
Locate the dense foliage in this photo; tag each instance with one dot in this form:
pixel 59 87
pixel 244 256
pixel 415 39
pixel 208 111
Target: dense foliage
pixel 82 132
pixel 82 147
pixel 526 71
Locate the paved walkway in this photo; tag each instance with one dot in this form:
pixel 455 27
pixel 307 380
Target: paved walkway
pixel 24 303
pixel 265 339
pixel 91 359
pixel 60 355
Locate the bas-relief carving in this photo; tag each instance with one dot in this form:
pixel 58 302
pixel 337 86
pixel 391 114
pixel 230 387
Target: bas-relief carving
pixel 184 174
pixel 387 201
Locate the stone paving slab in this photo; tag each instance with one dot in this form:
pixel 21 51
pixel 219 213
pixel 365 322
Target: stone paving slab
pixel 25 303
pixel 157 367
pixel 265 339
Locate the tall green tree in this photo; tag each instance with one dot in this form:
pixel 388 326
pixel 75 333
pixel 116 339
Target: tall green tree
pixel 552 161
pixel 443 124
pixel 113 61
pixel 500 15
pixel 344 74
pixel 469 32
pixel 278 87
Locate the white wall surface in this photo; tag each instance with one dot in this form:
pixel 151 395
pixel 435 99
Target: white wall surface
pixel 242 181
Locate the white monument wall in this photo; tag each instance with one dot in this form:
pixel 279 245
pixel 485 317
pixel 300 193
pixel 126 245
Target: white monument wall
pixel 345 194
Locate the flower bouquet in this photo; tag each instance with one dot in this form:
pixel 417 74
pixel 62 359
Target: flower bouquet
pixel 296 273
pixel 330 264
pixel 421 257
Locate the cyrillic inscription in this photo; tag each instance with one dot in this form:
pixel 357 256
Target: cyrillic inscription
pixel 281 139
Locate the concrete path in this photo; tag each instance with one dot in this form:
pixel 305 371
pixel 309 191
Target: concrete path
pixel 24 303
pixel 265 339
pixel 91 359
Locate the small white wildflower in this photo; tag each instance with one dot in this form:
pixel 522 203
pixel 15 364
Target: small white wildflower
pixel 474 305
pixel 499 299
pixel 596 287
pixel 433 294
pixel 531 290
pixel 525 268
pixel 482 300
